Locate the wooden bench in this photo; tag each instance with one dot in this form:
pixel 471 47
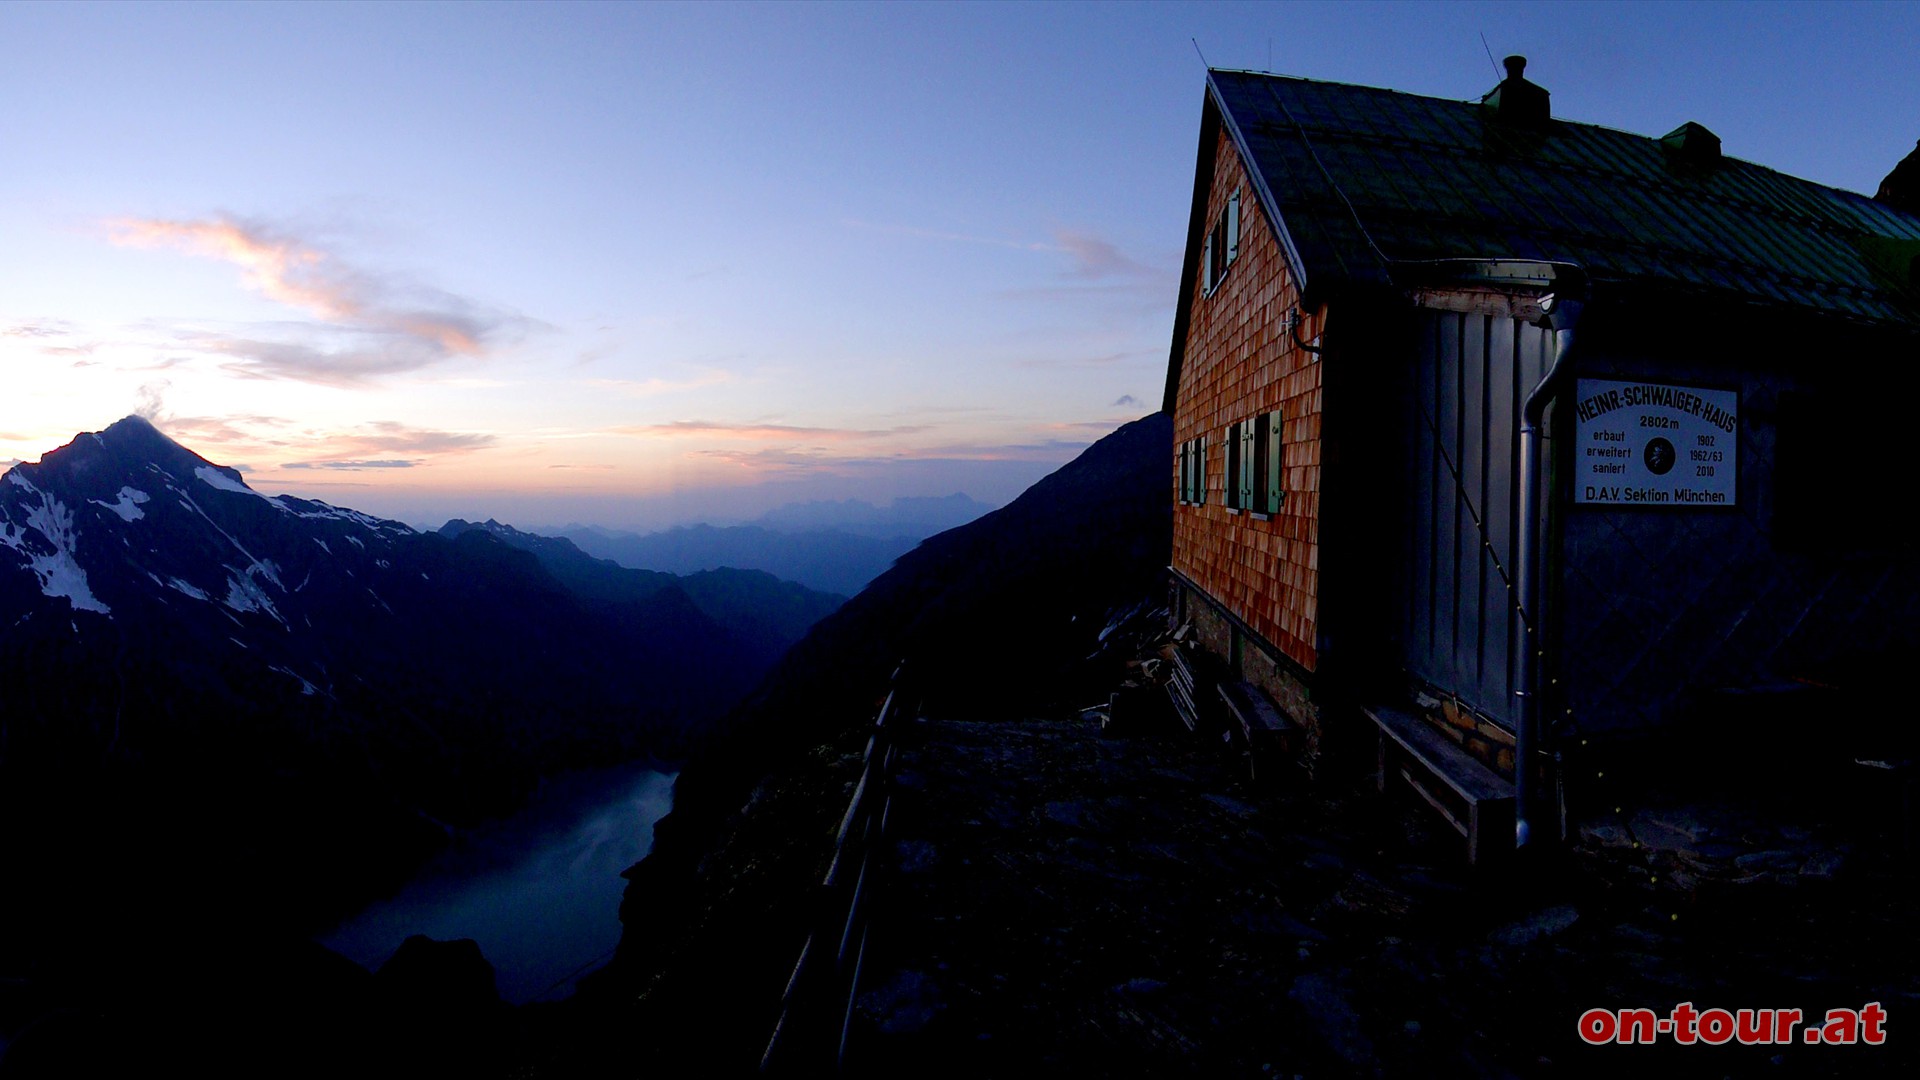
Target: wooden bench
pixel 1473 798
pixel 1267 732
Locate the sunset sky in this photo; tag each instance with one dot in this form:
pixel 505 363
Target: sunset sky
pixel 641 264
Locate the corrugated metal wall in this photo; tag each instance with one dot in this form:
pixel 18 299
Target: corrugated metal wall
pixel 1462 423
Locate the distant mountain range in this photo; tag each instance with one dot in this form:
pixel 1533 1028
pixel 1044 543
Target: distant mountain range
pixel 199 683
pixel 837 547
pixel 764 614
pixel 997 616
pixel 915 516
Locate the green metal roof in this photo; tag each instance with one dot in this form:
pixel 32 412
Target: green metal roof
pixel 1365 180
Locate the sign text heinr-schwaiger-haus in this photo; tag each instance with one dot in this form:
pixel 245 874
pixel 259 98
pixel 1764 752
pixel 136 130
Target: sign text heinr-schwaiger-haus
pixel 1649 444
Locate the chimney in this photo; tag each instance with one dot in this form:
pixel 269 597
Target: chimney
pixel 1517 101
pixel 1692 144
pixel 1901 188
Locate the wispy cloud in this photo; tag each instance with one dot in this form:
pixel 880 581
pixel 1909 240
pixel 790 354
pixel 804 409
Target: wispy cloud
pixel 655 386
pixel 44 328
pixel 1125 400
pixel 396 437
pixel 794 461
pixel 954 237
pixel 380 444
pixel 352 466
pixel 767 432
pixel 150 400
pixel 356 362
pixel 1087 360
pixel 372 325
pixel 1096 258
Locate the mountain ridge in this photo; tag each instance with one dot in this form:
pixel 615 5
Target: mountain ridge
pixel 285 704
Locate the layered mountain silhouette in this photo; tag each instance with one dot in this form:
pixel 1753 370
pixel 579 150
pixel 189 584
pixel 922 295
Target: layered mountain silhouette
pixel 837 547
pixel 764 614
pixel 995 617
pixel 235 691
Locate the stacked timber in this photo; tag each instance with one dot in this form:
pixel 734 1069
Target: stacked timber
pixel 1183 688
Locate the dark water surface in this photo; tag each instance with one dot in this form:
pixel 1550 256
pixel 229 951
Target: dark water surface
pixel 540 891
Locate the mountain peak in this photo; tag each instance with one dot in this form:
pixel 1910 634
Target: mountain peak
pixel 138 436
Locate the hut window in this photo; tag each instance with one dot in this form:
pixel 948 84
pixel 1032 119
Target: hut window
pixel 1272 475
pixel 1235 467
pixel 1222 245
pixel 1253 464
pixel 1193 471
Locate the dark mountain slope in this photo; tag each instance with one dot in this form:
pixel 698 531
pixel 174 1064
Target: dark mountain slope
pixel 763 614
pixel 832 560
pixel 270 703
pixel 993 615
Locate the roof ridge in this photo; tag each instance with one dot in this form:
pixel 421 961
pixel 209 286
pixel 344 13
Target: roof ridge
pixel 1358 174
pixel 1588 125
pixel 1833 223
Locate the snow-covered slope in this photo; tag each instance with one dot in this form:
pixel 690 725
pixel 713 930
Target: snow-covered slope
pixel 149 597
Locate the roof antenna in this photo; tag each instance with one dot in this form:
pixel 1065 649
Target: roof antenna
pixel 1203 56
pixel 1490 59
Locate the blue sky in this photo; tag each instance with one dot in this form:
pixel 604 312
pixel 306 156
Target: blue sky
pixel 639 264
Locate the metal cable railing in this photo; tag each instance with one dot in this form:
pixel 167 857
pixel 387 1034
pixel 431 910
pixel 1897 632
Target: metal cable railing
pixel 816 1010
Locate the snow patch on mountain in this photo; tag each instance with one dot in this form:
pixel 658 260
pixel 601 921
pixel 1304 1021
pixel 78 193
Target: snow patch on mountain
pixel 340 513
pixel 220 481
pixel 245 594
pixel 59 572
pixel 129 505
pixel 185 588
pixel 306 687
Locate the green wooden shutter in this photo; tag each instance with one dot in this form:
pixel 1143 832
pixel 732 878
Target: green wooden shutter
pixel 1233 227
pixel 1276 476
pixel 1246 464
pixel 1206 266
pixel 1200 470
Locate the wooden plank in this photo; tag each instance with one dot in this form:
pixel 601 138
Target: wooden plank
pixel 1257 715
pixel 1420 789
pixel 1180 708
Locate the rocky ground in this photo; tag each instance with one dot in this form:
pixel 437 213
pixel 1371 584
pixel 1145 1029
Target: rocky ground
pixel 1058 900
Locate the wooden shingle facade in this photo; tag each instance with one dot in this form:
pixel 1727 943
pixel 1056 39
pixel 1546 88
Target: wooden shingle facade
pixel 1371 517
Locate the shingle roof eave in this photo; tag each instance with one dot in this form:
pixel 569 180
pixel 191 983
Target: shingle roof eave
pixel 1361 178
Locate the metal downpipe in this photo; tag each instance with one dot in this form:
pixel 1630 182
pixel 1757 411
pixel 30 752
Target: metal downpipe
pixel 1563 312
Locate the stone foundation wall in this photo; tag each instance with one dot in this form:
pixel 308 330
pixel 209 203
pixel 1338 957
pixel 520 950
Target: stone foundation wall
pixel 1487 741
pixel 1255 661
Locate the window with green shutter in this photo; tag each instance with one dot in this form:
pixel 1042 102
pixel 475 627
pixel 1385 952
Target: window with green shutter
pixel 1193 471
pixel 1271 459
pixel 1221 246
pixel 1256 478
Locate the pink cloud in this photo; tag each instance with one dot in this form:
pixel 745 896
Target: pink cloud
pixel 387 328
